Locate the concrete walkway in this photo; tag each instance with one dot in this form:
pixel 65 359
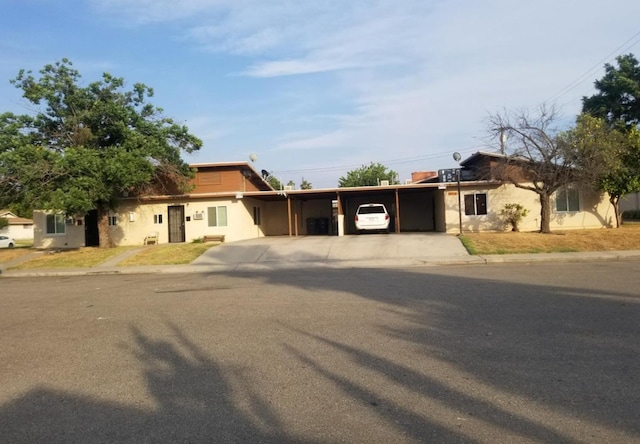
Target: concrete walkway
pixel 365 251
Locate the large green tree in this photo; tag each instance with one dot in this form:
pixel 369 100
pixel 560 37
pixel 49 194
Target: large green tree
pixel 618 97
pixel 84 146
pixel 368 176
pixel 608 158
pixel 617 102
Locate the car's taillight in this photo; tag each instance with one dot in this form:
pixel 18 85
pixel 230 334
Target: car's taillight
pixel 386 217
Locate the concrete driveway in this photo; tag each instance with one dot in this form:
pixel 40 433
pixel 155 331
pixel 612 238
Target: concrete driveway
pixel 376 248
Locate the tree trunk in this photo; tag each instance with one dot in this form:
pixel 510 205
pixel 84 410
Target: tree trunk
pixel 104 233
pixel 545 213
pixel 616 209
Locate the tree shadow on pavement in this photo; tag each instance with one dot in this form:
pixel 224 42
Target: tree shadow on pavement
pixel 361 355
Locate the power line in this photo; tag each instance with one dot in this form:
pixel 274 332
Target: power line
pixel 596 67
pixel 384 162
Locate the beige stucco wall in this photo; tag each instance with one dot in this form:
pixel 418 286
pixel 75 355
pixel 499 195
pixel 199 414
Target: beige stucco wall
pixel 136 221
pixel 73 237
pixel 275 218
pixel 596 211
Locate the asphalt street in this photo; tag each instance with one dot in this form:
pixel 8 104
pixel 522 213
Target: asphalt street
pixel 544 352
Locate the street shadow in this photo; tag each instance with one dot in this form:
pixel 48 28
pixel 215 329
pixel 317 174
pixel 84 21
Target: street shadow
pixel 539 362
pixel 523 362
pixel 192 397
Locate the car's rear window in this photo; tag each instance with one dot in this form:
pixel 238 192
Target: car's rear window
pixel 371 210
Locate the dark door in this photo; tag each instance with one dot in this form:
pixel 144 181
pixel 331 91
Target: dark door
pixel 91 236
pixel 176 223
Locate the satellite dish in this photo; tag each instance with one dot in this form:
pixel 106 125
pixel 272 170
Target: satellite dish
pixel 253 157
pixel 265 174
pixel 457 156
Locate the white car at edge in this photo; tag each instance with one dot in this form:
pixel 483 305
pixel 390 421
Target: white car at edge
pixel 7 242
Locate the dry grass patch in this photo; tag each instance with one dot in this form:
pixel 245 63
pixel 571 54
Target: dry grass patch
pixel 625 238
pixel 9 254
pixel 168 254
pixel 75 258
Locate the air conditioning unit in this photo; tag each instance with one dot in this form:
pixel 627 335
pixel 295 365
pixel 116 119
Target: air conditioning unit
pixel 384 183
pixel 198 216
pixel 288 188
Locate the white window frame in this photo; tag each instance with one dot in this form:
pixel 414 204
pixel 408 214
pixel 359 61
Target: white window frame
pixel 217 216
pixel 563 196
pixel 59 221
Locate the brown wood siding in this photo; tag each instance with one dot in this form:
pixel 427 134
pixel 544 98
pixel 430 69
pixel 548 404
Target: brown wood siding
pixel 221 180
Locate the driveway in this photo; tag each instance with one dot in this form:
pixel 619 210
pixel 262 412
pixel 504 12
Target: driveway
pixel 377 248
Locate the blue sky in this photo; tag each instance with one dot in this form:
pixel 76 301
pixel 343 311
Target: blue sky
pixel 318 88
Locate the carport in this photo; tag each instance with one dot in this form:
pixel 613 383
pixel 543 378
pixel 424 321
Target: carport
pixel 414 208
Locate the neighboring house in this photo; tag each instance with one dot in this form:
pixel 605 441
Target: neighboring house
pixel 232 199
pixel 19 228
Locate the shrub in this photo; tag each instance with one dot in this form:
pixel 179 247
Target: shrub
pixel 512 214
pixel 4 222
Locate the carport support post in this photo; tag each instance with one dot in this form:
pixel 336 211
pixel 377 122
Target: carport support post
pixel 459 201
pixel 340 215
pixel 289 214
pixel 396 228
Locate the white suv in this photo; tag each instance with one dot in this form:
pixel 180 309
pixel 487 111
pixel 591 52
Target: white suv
pixel 372 216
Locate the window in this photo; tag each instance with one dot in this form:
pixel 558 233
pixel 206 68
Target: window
pixel 475 204
pixel 256 216
pixel 567 199
pixel 56 223
pixel 157 218
pixel 217 216
pixel 113 220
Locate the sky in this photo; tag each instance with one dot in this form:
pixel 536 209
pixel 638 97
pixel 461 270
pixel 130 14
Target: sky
pixel 318 88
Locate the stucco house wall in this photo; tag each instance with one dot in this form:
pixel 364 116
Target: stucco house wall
pixel 137 220
pixel 595 209
pixel 72 237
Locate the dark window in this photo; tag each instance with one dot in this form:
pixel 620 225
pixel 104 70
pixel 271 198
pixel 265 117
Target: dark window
pixel 55 224
pixel 475 204
pixel 256 216
pixel 567 199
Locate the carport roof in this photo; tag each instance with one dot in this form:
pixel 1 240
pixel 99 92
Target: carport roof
pixel 323 193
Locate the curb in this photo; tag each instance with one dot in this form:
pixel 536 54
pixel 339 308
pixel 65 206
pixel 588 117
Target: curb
pixel 612 256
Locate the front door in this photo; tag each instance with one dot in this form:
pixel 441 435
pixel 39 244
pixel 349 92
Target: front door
pixel 176 223
pixel 91 235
